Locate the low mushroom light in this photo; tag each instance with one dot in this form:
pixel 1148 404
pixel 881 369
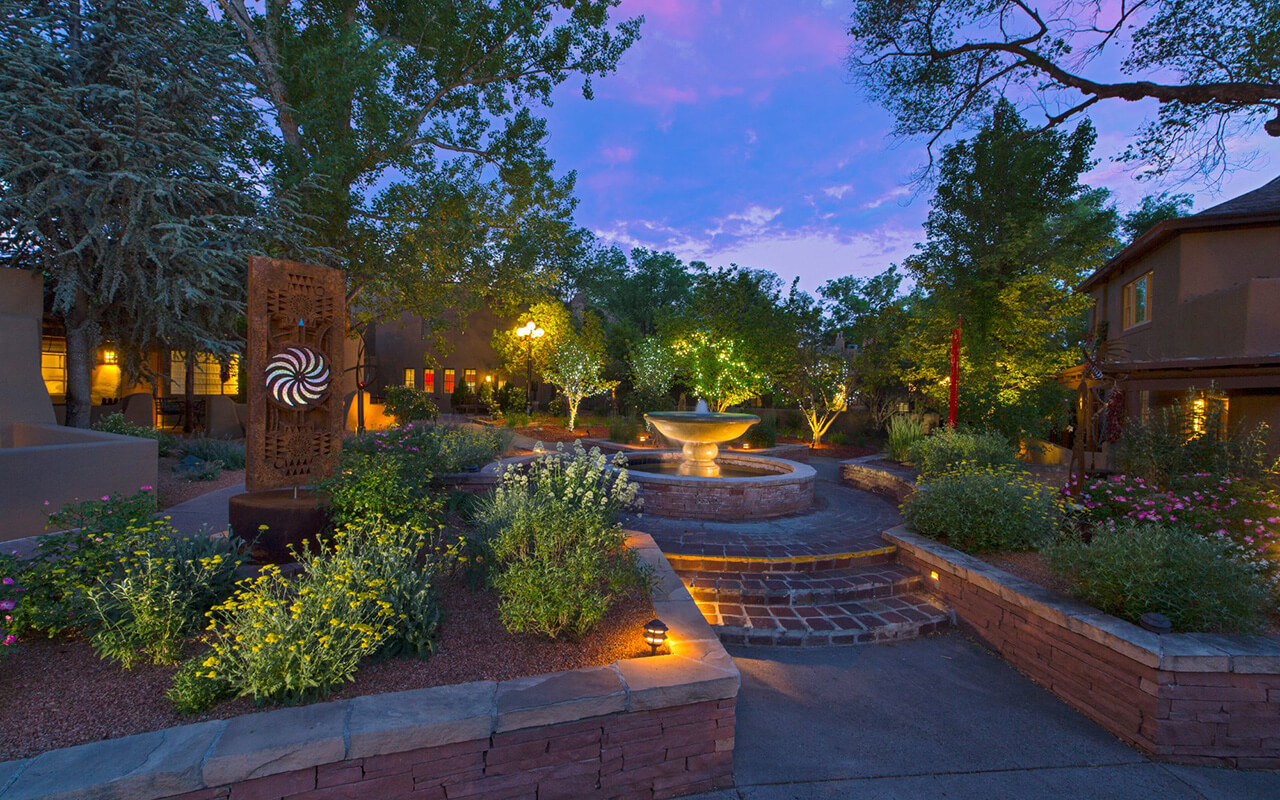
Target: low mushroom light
pixel 655 634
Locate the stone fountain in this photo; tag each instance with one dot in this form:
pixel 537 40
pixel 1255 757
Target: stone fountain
pixel 700 433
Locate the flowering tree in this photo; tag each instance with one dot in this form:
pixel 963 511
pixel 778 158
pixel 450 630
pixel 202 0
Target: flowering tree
pixel 821 383
pixel 577 368
pixel 653 368
pixel 718 369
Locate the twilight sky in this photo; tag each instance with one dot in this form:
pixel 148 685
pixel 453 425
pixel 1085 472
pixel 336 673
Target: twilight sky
pixel 732 133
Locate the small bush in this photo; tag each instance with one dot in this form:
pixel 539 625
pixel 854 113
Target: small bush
pixel 194 469
pixel 10 595
pixel 945 449
pixel 986 509
pixel 763 434
pixel 461 395
pixel 291 641
pixel 229 453
pixel 510 399
pixel 561 556
pixel 1128 569
pixel 161 599
pixel 193 691
pixel 839 438
pixel 116 423
pixel 623 429
pixel 1167 445
pixel 408 404
pixel 902 434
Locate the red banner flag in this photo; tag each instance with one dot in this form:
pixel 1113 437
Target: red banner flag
pixel 955 372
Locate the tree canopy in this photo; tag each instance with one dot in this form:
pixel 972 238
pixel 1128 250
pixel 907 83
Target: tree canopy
pixel 1011 234
pixel 127 140
pixel 1210 64
pixel 406 129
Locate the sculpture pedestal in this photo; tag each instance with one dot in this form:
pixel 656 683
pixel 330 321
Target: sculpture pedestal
pixel 289 521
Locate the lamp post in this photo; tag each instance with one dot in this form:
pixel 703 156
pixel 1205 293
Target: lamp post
pixel 529 331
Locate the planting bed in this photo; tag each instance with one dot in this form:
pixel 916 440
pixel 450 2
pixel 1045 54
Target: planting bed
pixel 61 694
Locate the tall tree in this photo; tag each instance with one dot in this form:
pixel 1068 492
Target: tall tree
pixel 126 139
pixel 1210 64
pixel 1011 233
pixel 1155 208
pixel 405 127
pixel 870 315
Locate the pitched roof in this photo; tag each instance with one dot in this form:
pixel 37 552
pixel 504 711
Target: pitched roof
pixel 1259 207
pixel 1261 200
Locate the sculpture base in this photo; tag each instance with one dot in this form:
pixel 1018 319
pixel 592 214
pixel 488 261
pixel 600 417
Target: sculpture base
pixel 289 522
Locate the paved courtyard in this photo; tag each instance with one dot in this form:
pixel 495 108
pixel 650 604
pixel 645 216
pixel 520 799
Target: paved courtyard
pixel 938 717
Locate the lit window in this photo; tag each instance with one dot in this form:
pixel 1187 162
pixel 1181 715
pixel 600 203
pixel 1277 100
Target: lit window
pixel 469 378
pixel 411 378
pixel 448 381
pixel 1137 301
pixel 53 364
pixel 109 355
pixel 211 376
pixel 429 381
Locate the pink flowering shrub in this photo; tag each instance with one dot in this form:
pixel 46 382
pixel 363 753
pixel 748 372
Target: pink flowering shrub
pixel 1241 513
pixel 9 592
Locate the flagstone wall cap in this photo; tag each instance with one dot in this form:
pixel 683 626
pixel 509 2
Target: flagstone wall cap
pixel 1178 652
pixel 208 754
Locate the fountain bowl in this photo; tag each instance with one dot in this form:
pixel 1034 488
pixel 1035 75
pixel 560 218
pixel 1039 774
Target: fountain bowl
pixel 749 487
pixel 700 434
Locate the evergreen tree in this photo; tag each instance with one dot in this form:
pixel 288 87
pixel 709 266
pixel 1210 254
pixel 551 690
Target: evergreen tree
pixel 126 162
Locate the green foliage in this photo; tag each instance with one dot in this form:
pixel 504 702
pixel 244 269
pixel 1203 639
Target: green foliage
pixel 291 640
pixel 821 383
pixel 871 315
pixel 510 398
pixel 653 368
pixel 560 553
pixel 1155 208
pixel 391 472
pixel 1011 233
pixel 116 423
pixel 902 435
pixel 623 429
pixel 461 395
pixel 128 148
pixel 946 449
pixel 577 368
pixel 408 404
pixel 148 613
pixel 1129 569
pixel 940 66
pixel 193 691
pixel 194 469
pixel 986 509
pixel 1190 437
pixel 763 434
pixel 230 453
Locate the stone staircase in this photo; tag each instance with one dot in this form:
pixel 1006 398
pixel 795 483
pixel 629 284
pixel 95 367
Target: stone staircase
pixel 835 599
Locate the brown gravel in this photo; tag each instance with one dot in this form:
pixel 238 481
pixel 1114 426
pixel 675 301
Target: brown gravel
pixel 558 433
pixel 826 450
pixel 172 489
pixel 58 693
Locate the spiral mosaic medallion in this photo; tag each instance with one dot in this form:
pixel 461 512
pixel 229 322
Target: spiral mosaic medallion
pixel 297 378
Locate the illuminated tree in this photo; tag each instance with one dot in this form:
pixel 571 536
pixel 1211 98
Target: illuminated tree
pixel 578 369
pixel 653 369
pixel 718 369
pixel 821 384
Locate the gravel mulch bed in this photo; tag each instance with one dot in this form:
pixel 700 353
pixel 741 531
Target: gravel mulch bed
pixel 556 433
pixel 826 450
pixel 58 693
pixel 172 488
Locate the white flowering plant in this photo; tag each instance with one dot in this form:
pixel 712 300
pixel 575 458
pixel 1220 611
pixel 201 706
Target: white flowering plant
pixel 559 553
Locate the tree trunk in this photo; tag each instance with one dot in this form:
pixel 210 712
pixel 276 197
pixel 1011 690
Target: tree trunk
pixel 189 394
pixel 80 351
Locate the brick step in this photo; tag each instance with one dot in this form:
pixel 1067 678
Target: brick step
pixel 853 622
pixel 801 588
pixel 847 559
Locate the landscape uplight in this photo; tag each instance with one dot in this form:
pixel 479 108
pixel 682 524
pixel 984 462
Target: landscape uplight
pixel 655 633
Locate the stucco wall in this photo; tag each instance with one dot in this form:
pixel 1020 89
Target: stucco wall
pixel 23 398
pixel 65 465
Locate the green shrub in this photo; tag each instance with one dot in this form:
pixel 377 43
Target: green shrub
pixel 230 453
pixel 1128 569
pixel 161 599
pixel 408 404
pixel 763 434
pixel 193 691
pixel 986 509
pixel 461 395
pixel 193 469
pixel 561 556
pixel 116 423
pixel 291 640
pixel 510 398
pixel 623 429
pixel 946 448
pixel 903 433
pixel 839 438
pixel 1167 444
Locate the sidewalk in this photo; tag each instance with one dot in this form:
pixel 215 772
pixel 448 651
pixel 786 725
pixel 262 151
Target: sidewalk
pixel 936 718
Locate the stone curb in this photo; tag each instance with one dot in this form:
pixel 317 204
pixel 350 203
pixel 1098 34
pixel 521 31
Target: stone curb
pixel 1179 652
pixel 188 758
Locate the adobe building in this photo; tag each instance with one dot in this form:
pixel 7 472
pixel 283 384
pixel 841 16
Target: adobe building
pixel 1194 304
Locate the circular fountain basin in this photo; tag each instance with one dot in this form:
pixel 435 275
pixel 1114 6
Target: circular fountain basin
pixel 748 487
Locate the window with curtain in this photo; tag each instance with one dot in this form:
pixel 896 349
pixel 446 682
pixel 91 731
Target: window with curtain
pixel 411 378
pixel 448 381
pixel 53 364
pixel 429 381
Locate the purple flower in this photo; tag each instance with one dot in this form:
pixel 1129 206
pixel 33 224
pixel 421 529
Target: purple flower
pixel 7 605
